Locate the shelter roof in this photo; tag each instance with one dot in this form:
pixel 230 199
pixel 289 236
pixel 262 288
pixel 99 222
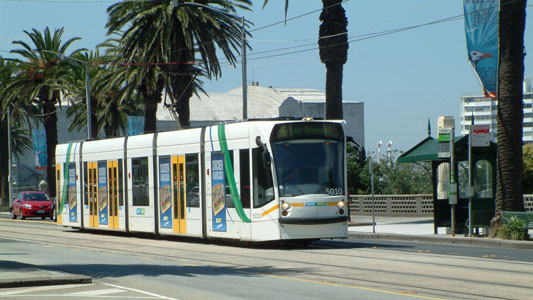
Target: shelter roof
pixel 428 150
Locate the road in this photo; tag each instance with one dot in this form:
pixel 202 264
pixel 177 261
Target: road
pixel 125 267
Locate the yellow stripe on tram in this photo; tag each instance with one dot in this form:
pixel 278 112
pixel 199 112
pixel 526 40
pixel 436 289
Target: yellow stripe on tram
pixel 273 208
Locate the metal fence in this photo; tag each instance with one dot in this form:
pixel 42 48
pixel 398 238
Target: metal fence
pixel 403 205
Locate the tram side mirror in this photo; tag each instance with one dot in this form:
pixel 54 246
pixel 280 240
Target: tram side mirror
pixel 264 152
pixel 360 150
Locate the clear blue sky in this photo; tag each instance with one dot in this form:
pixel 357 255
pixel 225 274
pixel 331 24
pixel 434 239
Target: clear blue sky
pixel 403 78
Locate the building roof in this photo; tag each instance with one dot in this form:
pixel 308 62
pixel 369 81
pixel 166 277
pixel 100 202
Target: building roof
pixel 263 102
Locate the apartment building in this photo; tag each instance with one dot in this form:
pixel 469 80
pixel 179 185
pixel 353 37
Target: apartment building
pixel 484 111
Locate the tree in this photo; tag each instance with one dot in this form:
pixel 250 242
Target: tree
pixel 20 142
pixel 509 192
pixel 527 175
pixel 357 171
pixel 39 79
pixel 390 177
pixel 110 103
pixel 162 39
pixel 333 45
pixel 509 195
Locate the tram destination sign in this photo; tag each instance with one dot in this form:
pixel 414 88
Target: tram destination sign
pixel 308 130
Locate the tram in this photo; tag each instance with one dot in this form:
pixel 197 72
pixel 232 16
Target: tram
pixel 264 180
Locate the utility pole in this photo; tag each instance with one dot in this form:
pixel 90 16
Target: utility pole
pixel 244 86
pixel 9 159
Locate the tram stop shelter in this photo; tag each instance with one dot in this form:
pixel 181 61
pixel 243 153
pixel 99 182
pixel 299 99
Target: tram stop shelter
pixel 483 181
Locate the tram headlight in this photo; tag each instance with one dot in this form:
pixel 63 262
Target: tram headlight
pixel 340 204
pixel 285 206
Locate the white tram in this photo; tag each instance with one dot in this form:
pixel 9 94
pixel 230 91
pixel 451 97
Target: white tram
pixel 249 181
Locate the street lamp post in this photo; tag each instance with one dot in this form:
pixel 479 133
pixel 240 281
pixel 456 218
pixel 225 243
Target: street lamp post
pixel 9 159
pixel 88 100
pixel 87 88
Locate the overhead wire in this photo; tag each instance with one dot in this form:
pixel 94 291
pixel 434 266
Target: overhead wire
pixel 353 38
pixel 196 44
pixel 350 30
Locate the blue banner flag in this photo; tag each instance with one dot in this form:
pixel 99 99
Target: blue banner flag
pixel 481 28
pixel 39 145
pixel 135 125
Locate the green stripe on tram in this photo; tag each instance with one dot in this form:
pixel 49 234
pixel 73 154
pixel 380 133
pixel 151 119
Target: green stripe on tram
pixel 65 181
pixel 230 176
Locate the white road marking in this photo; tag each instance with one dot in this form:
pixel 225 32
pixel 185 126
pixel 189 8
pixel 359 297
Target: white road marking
pixel 21 290
pixel 75 297
pixel 98 292
pixel 139 291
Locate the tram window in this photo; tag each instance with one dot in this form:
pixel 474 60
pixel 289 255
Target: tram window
pixel 85 184
pixel 139 169
pixel 244 161
pixel 193 182
pixel 227 192
pixel 263 186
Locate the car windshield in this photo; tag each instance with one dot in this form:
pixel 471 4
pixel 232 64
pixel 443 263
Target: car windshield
pixel 35 197
pixel 309 167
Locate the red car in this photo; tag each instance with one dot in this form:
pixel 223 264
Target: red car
pixel 32 204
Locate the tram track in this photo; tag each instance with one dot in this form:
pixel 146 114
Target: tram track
pixel 193 241
pixel 174 241
pixel 301 262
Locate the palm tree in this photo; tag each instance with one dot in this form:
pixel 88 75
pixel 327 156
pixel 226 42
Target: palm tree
pixel 20 141
pixel 163 39
pixel 509 193
pixel 333 45
pixel 40 76
pixel 110 101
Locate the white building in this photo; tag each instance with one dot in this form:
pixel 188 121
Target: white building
pixel 485 109
pixel 270 102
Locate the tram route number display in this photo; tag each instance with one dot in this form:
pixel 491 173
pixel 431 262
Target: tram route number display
pixel 334 191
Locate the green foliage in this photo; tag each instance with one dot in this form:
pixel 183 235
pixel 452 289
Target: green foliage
pixel 170 44
pixel 527 176
pixel 112 99
pixel 21 115
pixel 358 179
pixel 390 177
pixel 514 229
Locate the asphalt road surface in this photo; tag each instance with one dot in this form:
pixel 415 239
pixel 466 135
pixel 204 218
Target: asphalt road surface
pixel 126 267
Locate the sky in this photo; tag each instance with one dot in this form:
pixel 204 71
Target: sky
pixel 404 78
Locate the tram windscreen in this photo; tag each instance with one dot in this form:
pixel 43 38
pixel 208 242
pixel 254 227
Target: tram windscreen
pixel 309 160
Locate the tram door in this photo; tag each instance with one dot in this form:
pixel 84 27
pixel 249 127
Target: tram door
pixel 112 167
pixel 92 192
pixel 59 189
pixel 178 194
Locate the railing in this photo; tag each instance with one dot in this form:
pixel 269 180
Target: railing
pixel 528 202
pixel 403 205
